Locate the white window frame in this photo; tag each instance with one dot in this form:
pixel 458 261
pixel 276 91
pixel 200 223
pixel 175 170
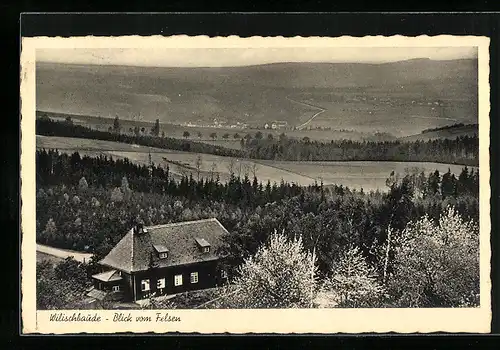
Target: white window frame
pixel 160 283
pixel 163 255
pixel 145 286
pixel 115 288
pixel 206 250
pixel 193 278
pixel 178 280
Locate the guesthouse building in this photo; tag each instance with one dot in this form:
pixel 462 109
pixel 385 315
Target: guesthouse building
pixel 163 259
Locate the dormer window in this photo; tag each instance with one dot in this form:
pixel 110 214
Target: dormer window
pixel 161 251
pixel 203 245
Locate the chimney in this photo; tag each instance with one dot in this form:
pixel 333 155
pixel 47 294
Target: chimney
pixel 139 229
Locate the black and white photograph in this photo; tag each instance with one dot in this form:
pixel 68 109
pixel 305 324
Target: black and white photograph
pixel 253 175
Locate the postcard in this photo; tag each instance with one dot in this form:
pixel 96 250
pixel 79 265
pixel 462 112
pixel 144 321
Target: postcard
pixel 255 185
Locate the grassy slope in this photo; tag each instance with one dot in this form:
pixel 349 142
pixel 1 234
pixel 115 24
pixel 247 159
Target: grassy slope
pixel 452 133
pixel 180 163
pixel 369 175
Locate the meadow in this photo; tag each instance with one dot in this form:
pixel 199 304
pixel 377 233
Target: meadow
pixel 449 133
pixel 369 175
pixel 179 163
pixel 400 116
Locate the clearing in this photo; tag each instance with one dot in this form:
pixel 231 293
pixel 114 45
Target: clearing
pixel 369 175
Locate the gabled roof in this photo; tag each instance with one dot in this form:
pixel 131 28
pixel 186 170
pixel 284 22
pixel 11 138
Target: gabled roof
pixel 108 276
pixel 137 251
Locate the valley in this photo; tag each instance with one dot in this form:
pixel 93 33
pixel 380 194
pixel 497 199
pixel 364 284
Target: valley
pixel 400 98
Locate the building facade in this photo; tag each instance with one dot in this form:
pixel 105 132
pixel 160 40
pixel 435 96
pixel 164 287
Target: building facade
pixel 164 259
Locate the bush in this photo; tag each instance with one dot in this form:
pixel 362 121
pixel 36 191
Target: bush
pixel 76 200
pixel 280 275
pixel 353 282
pixel 117 195
pixel 58 288
pixel 82 184
pixel 437 264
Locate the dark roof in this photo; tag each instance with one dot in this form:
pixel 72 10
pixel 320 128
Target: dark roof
pixel 136 251
pixel 108 276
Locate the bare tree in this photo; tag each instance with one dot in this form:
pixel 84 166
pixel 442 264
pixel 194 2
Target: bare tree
pixel 254 170
pixel 239 167
pixel 213 169
pixel 230 166
pixel 116 125
pixel 246 169
pixel 198 164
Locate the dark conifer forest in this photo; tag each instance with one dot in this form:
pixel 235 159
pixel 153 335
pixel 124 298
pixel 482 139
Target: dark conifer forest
pixel 88 204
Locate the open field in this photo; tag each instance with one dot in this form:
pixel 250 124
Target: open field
pixel 369 175
pixel 451 133
pixel 221 166
pixel 179 163
pixel 369 112
pixel 80 144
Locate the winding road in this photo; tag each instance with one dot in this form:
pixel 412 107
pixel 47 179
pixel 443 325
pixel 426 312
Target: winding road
pixel 303 125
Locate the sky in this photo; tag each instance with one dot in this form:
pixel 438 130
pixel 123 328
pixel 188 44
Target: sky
pixel 233 57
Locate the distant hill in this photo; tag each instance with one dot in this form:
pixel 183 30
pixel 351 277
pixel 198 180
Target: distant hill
pixel 252 94
pixel 450 132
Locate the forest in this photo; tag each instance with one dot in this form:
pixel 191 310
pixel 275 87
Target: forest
pixel 463 150
pixel 448 127
pixel 88 204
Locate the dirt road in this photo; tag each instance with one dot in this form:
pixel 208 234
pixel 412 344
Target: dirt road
pixel 303 125
pixel 63 253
